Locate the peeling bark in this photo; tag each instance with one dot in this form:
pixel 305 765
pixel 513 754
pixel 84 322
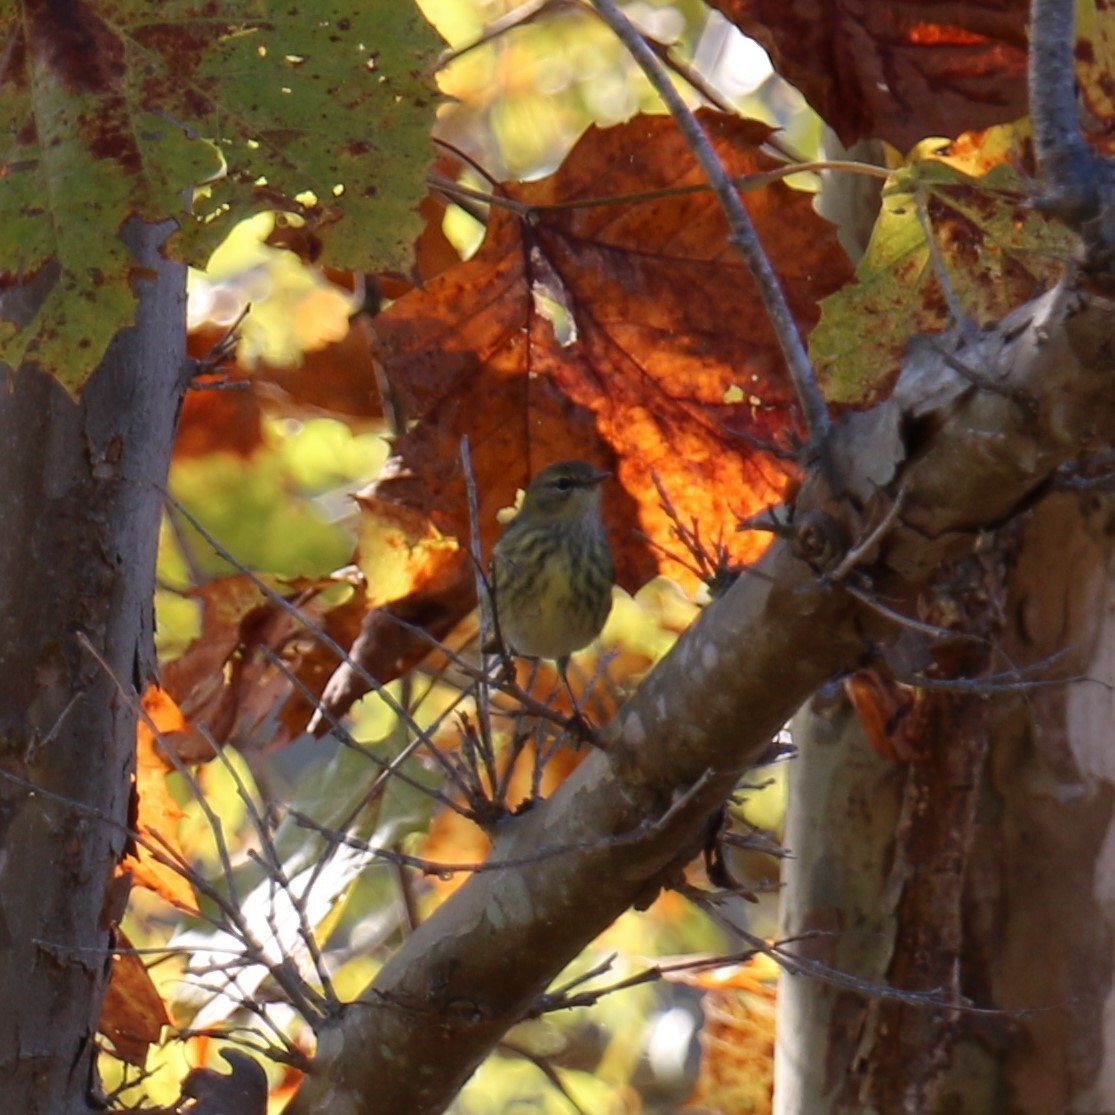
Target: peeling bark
pixel 1028 940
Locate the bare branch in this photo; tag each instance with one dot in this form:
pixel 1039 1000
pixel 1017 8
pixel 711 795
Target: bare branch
pixel 743 235
pixel 1067 163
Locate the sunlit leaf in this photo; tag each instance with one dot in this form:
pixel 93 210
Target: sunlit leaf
pixel 627 334
pixel 158 813
pixel 995 247
pixel 114 114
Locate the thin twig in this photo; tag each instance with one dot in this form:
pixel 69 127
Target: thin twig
pixel 647 829
pixel 982 380
pixel 857 553
pixel 505 685
pixel 518 17
pixel 713 566
pixel 1012 680
pixel 249 951
pixel 466 159
pixel 211 818
pixel 219 355
pixel 300 995
pixel 246 1002
pixel 743 235
pixel 547 1070
pixel 692 77
pixel 778 951
pixel 488 619
pixel 745 183
pixel 285 605
pixel 273 866
pixel 936 262
pixel 900 618
pixel 962 321
pixel 186 551
pixel 411 918
pixel 285 1054
pixel 389 768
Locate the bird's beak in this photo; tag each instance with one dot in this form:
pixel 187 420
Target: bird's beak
pixel 600 477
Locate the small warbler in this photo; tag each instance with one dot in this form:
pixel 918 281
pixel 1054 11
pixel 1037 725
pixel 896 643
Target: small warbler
pixel 551 570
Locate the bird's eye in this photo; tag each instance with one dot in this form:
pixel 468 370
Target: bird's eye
pixel 563 484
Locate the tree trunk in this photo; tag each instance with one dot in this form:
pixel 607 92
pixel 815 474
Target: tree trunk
pixel 80 507
pixel 1032 922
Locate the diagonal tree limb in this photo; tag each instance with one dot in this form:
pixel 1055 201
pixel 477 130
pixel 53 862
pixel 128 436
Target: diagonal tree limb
pixel 967 458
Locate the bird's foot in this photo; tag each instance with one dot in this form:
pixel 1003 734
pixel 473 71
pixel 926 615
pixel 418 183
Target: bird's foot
pixel 582 729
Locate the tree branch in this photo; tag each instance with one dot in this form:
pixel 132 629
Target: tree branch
pixel 1067 164
pixel 742 231
pixel 966 457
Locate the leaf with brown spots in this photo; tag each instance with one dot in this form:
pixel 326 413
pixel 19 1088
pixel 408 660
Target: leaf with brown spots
pixel 996 248
pixel 900 71
pixel 1095 72
pixel 627 333
pixel 267 104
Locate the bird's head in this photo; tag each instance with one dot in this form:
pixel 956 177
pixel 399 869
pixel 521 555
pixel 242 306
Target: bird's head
pixel 564 490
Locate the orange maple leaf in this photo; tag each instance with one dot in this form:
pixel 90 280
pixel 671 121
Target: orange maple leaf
pixel 628 334
pixel 158 813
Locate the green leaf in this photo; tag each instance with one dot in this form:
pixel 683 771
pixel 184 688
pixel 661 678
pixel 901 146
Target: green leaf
pixel 321 108
pixel 996 250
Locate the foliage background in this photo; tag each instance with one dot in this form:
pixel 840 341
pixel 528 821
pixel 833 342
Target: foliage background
pixel 269 467
pixel 335 369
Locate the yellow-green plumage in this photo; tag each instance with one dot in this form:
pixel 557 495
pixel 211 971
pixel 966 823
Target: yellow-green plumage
pixel 551 570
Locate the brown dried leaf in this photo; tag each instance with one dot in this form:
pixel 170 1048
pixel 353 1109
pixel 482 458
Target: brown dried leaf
pixel 626 334
pixel 226 684
pixel 901 71
pixel 885 708
pixel 132 1014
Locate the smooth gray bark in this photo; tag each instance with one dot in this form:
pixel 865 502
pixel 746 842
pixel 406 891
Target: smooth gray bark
pixel 79 508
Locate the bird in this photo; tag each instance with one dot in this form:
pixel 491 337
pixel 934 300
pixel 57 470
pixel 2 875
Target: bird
pixel 551 570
